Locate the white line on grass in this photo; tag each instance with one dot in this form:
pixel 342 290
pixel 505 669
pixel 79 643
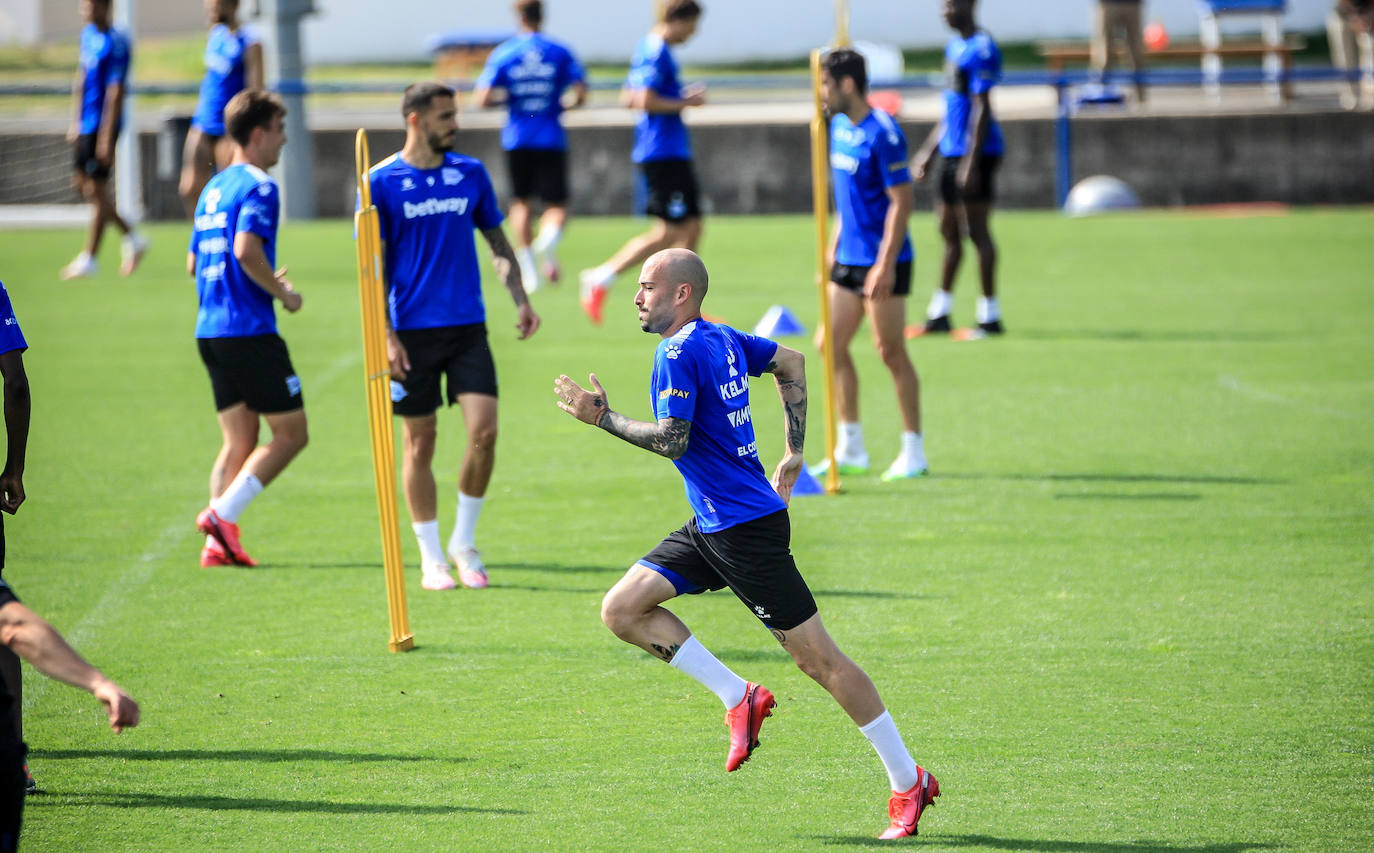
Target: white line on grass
pixel 1232 383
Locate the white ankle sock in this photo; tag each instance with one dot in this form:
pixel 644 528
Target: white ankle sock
pixel 940 304
pixel 427 535
pixel 465 525
pixel 547 238
pixel 887 742
pixel 601 277
pixel 529 273
pixel 230 505
pixel 913 450
pixel 988 310
pixel 693 659
pixel 850 441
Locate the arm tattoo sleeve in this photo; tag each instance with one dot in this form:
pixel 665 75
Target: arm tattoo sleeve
pixel 792 392
pixel 667 438
pixel 506 265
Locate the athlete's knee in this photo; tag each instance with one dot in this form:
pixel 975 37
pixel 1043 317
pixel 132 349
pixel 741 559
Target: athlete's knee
pixel 618 613
pixel 483 436
pixel 893 353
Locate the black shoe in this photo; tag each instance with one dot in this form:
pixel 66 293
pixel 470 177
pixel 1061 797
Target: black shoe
pixel 937 325
pixel 993 328
pixel 30 786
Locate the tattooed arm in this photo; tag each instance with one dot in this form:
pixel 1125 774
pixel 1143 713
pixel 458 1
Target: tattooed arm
pixel 503 258
pixel 667 438
pixel 789 369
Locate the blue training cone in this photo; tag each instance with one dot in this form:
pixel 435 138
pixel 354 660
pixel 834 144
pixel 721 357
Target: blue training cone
pixel 779 320
pixel 807 484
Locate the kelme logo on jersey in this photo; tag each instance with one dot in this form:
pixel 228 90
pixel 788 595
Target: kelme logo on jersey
pixel 432 206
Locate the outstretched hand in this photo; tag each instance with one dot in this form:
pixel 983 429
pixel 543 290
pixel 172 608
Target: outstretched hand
pixel 121 707
pixel 786 474
pixel 586 406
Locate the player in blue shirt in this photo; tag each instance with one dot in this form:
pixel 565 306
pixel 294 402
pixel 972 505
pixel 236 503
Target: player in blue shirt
pixel 98 116
pixel 662 150
pixel 430 203
pixel 871 257
pixel 739 534
pixel 233 62
pixel 531 73
pixel 232 256
pixel 970 141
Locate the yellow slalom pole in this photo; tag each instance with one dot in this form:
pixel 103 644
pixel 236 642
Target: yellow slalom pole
pixel 841 23
pixel 377 374
pixel 820 202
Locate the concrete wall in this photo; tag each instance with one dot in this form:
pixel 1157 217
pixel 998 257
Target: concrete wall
pixel 31 22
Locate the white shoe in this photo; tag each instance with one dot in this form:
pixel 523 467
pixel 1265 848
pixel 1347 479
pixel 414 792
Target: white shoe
pixel 855 464
pixel 436 576
pixel 82 266
pixel 131 251
pixel 471 570
pixel 902 469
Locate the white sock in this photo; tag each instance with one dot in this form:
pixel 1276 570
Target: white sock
pixel 547 238
pixel 230 505
pixel 988 311
pixel 850 441
pixel 914 452
pixel 940 304
pixel 601 277
pixel 427 534
pixel 887 742
pixel 529 273
pixel 693 659
pixel 465 525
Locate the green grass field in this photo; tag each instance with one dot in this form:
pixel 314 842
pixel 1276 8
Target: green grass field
pixel 1132 609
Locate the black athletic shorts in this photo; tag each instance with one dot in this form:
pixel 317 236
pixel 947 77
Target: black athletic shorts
pixel 84 157
pixel 672 186
pixel 852 278
pixel 753 559
pixel 254 370
pixel 458 353
pixel 949 183
pixel 540 173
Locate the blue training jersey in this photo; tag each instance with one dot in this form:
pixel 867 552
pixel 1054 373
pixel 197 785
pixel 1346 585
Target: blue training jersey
pixel 658 136
pixel 701 374
pixel 428 219
pixel 11 338
pixel 242 198
pixel 865 160
pixel 972 66
pixel 535 71
pixel 224 75
pixel 104 62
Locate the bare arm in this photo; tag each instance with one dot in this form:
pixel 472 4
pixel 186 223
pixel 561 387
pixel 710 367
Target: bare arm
pixel 486 96
pixel 789 369
pixel 980 120
pixel 252 67
pixel 882 276
pixel 16 429
pixel 75 129
pixel 191 264
pixel 668 437
pixel 248 251
pixel 109 120
pixel 579 95
pixel 925 155
pixel 503 257
pixel 652 102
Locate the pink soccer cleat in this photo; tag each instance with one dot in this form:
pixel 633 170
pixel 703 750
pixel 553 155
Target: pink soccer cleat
pixel 226 533
pixel 471 570
pixel 437 577
pixel 213 555
pixel 905 807
pixel 745 720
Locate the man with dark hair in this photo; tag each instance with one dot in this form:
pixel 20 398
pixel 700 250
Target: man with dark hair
pixel 232 257
pixel 532 73
pixel 739 534
pixel 98 99
pixel 430 202
pixel 662 150
pixel 970 141
pixel 233 62
pixel 870 259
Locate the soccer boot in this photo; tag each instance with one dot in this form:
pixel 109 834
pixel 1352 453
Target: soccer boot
pixel 851 466
pixel 30 786
pixel 82 266
pixel 901 469
pixel 437 577
pixel 226 533
pixel 593 299
pixel 213 554
pixel 745 720
pixel 978 332
pixel 131 251
pixel 471 570
pixel 934 326
pixel 905 807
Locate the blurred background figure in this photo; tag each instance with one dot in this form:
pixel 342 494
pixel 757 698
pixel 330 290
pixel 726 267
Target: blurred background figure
pixel 1350 29
pixel 1119 19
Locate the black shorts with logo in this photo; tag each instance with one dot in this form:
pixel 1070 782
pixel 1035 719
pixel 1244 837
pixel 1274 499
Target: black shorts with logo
pixel 540 173
pixel 754 559
pixel 852 278
pixel 84 157
pixel 254 370
pixel 672 185
pixel 987 189
pixel 460 354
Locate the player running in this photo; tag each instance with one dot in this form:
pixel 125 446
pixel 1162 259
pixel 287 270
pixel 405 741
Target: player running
pixel 430 201
pixel 232 257
pixel 739 533
pixel 233 62
pixel 531 73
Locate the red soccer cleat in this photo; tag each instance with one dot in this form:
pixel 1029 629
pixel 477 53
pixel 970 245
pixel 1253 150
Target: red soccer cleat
pixel 213 555
pixel 593 300
pixel 905 807
pixel 745 720
pixel 226 533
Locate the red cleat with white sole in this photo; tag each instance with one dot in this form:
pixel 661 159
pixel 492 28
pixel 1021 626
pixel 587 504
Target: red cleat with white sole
pixel 213 555
pixel 226 533
pixel 745 720
pixel 593 301
pixel 905 808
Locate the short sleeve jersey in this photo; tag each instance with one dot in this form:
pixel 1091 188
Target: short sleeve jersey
pixel 973 66
pixel 866 159
pixel 105 58
pixel 658 136
pixel 701 374
pixel 224 75
pixel 11 338
pixel 428 219
pixel 240 199
pixel 535 71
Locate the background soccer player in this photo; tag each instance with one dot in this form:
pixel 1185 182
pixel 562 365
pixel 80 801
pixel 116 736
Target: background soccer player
pixel 233 62
pixel 531 73
pixel 662 150
pixel 98 101
pixel 430 202
pixel 871 257
pixel 739 533
pixel 970 141
pixel 232 256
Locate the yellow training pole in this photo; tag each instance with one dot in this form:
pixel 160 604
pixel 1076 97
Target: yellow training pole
pixel 377 373
pixel 820 202
pixel 841 23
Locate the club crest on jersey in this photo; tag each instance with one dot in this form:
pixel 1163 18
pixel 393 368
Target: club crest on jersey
pixel 672 351
pixel 430 180
pixel 407 184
